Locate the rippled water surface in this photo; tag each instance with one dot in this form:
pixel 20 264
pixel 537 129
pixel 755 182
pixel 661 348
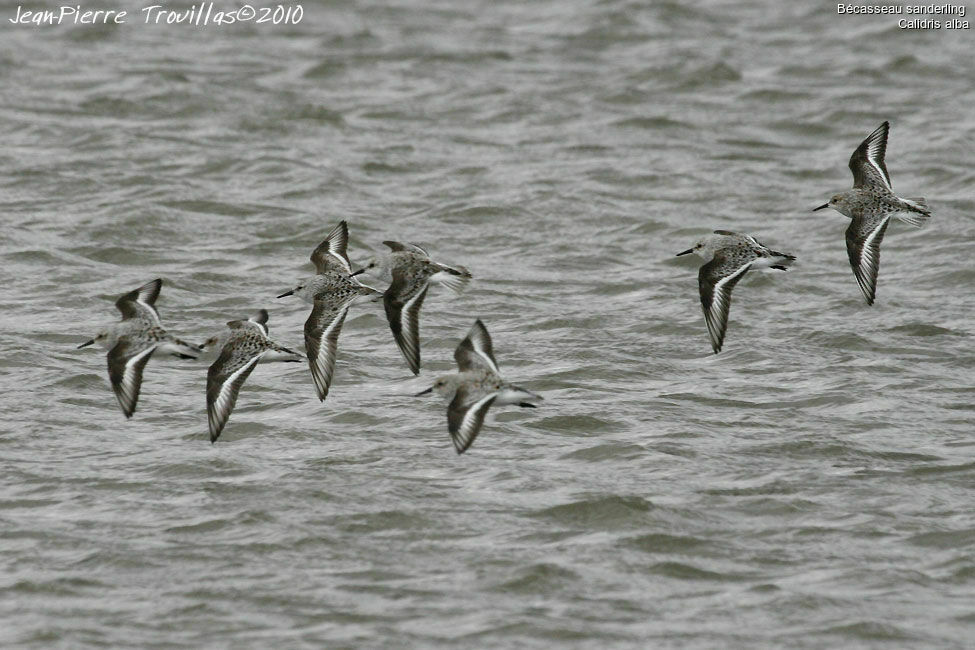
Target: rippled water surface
pixel 811 486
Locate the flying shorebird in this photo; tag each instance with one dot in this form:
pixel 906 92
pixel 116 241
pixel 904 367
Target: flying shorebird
pixel 241 347
pixel 332 292
pixel 409 270
pixel 478 385
pixel 131 342
pixel 870 205
pixel 729 255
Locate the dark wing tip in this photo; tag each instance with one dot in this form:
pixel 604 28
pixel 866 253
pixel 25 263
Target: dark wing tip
pixel 335 244
pixel 127 409
pixel 151 289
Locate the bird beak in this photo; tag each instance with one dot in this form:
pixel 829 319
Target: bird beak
pixel 287 293
pixel 86 344
pixel 362 270
pixel 689 250
pixel 424 392
pixel 825 205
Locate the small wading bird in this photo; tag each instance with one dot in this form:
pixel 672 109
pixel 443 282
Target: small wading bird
pixel 729 255
pixel 240 348
pixel 131 342
pixel 409 270
pixel 478 385
pixel 332 292
pixel 870 205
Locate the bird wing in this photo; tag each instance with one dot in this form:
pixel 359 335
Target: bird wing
pixel 333 251
pixel 126 361
pixel 464 419
pixel 402 301
pixel 141 302
pixel 716 279
pixel 476 351
pixel 867 162
pixel 224 379
pixel 397 247
pixel 257 322
pixel 863 239
pixel 322 340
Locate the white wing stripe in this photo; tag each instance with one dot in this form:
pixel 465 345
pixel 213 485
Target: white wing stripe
pixel 880 172
pixel 487 360
pixel 128 377
pixel 873 155
pixel 225 397
pixel 868 260
pixel 407 318
pixel 719 307
pixel 469 424
pixel 720 296
pixel 342 261
pixel 327 347
pixel 477 341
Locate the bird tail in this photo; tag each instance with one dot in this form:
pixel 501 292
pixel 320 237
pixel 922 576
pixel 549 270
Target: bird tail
pixel 182 349
pixel 454 278
pixel 368 294
pixel 512 394
pixel 917 213
pixel 281 353
pixel 781 261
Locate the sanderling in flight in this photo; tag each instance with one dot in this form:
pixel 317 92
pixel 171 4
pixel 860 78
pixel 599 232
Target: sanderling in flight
pixel 478 385
pixel 332 292
pixel 729 255
pixel 870 205
pixel 242 346
pixel 131 342
pixel 409 270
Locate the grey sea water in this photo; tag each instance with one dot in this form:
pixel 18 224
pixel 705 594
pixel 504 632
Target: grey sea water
pixel 811 486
